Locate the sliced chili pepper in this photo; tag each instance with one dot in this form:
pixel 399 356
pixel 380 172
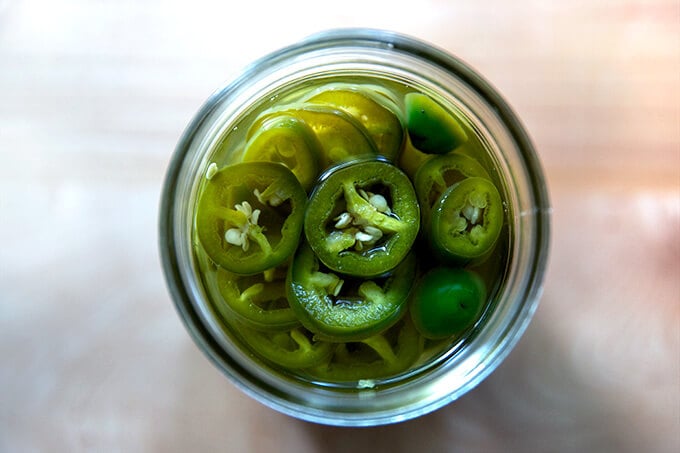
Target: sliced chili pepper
pixel 467 220
pixel 438 174
pixel 341 136
pixel 432 128
pixel 362 218
pixel 379 356
pixel 382 124
pixel 287 140
pixel 447 302
pixel 292 349
pixel 338 308
pixel 249 216
pixel 259 301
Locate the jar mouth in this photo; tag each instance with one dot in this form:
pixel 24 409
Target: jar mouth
pixel 421 390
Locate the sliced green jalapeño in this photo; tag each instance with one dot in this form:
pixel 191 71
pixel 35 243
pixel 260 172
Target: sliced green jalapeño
pixel 292 349
pixel 287 140
pixel 362 218
pixel 249 216
pixel 259 301
pixel 382 355
pixel 339 308
pixel 340 135
pixel 432 129
pixel 438 174
pixel 467 220
pixel 382 124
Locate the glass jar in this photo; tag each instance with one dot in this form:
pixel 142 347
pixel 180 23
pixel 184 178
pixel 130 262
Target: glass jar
pixel 432 384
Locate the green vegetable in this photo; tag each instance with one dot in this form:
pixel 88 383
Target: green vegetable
pixel 438 174
pixel 341 136
pixel 467 220
pixel 447 302
pixel 287 140
pixel 431 128
pixel 292 349
pixel 258 301
pixel 338 308
pixel 362 218
pixel 385 354
pixel 381 123
pixel 249 216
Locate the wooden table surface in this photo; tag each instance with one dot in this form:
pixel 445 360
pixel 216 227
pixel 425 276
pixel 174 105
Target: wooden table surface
pixel 95 94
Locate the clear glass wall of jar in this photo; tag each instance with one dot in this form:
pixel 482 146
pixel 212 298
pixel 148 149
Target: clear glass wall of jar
pixel 404 60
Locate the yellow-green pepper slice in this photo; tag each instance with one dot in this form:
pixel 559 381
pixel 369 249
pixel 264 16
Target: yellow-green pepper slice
pixel 258 301
pixel 249 216
pixel 292 349
pixel 439 173
pixel 341 136
pixel 382 124
pixel 380 356
pixel 287 140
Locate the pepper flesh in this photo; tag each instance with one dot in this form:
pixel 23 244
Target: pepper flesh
pixel 287 140
pixel 467 220
pixel 341 309
pixel 381 123
pixel 341 136
pixel 291 349
pixel 447 302
pixel 356 231
pixel 438 174
pixel 389 353
pixel 258 301
pixel 431 128
pixel 249 216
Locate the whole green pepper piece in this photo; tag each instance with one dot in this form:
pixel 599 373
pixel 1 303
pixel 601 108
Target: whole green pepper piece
pixel 362 218
pixel 249 216
pixel 432 128
pixel 447 302
pixel 467 220
pixel 338 308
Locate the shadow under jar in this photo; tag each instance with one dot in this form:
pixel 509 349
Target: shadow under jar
pixel 311 222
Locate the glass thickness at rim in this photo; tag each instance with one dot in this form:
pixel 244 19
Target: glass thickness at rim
pixel 417 396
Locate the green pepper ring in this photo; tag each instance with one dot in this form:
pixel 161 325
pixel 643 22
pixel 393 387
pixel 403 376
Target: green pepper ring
pixel 380 121
pixel 393 359
pixel 305 354
pixel 216 214
pixel 338 317
pixel 243 305
pixel 290 141
pixel 400 226
pixel 467 220
pixel 439 173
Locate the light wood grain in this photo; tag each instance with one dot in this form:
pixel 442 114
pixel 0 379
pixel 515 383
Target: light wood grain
pixel 94 96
